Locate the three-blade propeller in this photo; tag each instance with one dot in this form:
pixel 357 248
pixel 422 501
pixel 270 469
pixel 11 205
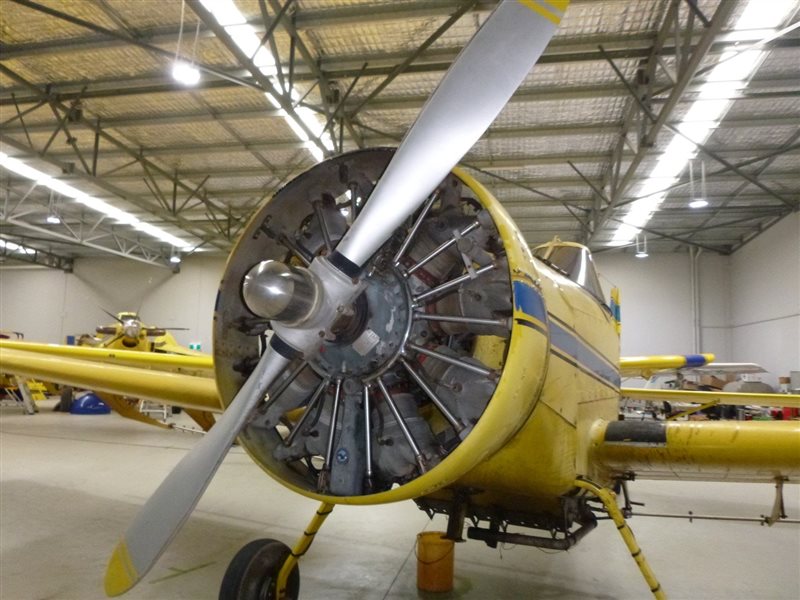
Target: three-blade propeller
pixel 469 97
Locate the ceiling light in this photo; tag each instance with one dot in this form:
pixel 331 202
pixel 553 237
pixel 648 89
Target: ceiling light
pixel 729 75
pixel 641 248
pixel 175 259
pixel 120 216
pixel 53 219
pixel 14 247
pixel 184 73
pixel 697 201
pixel 245 37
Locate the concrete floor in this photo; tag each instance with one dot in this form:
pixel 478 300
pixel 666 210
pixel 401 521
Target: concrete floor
pixel 69 485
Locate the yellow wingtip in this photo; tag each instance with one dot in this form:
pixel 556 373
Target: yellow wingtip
pixel 120 573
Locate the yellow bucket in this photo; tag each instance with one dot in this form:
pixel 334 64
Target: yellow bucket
pixel 434 562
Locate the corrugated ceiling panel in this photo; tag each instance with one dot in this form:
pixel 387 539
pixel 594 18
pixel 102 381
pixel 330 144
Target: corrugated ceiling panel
pixel 554 112
pixel 615 16
pixel 21 24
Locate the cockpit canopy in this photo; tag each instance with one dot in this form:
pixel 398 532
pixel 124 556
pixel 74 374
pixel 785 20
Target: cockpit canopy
pixel 573 260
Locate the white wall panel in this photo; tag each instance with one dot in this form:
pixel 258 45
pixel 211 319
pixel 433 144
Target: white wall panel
pixel 47 305
pixel 656 298
pixel 32 302
pixel 765 299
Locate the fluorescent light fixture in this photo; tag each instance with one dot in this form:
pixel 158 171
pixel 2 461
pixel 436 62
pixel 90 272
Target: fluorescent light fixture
pixel 245 37
pixel 730 75
pixel 225 12
pixel 641 248
pixel 53 219
pixel 184 73
pixel 698 203
pixel 14 247
pixel 120 216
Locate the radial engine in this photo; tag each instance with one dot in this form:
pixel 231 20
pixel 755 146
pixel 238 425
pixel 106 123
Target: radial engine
pixel 392 404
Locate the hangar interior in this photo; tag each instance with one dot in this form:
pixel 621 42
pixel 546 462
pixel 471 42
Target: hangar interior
pixel 660 127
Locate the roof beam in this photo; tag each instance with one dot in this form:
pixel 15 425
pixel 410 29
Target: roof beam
pixel 30 254
pixel 688 69
pixel 157 83
pixel 266 85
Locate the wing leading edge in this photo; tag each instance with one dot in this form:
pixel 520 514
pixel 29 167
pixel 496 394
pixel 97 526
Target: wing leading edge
pixel 645 366
pixel 176 389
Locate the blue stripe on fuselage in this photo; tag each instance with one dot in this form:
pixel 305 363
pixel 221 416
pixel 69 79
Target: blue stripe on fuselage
pixel 529 301
pixel 569 344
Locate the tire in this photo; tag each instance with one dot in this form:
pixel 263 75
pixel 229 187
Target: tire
pixel 65 404
pixel 252 573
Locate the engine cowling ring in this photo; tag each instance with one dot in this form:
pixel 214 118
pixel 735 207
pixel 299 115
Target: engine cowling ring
pixel 287 228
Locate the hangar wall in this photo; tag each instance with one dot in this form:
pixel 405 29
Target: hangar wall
pixel 765 299
pixel 47 305
pixel 656 299
pixel 749 301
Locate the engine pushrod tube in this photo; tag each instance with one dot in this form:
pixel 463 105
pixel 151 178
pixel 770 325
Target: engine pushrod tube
pixel 332 431
pixel 444 246
pixel 402 423
pixel 413 231
pixel 353 201
pixel 323 225
pixel 459 319
pixel 273 396
pixel 451 285
pixel 450 360
pixel 299 251
pixel 368 435
pixel 432 395
pixel 312 404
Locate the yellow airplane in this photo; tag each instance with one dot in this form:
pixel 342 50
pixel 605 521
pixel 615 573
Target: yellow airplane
pixel 129 341
pixel 384 333
pixel 128 332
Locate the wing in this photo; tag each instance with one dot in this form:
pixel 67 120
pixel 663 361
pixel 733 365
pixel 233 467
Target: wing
pixel 60 366
pixel 712 398
pixel 646 366
pixel 132 358
pixel 719 368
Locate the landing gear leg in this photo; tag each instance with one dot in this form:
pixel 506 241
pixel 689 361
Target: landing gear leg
pixel 267 569
pixel 608 498
pixel 301 547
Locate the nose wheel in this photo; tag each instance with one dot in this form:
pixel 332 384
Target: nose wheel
pixel 267 569
pixel 253 573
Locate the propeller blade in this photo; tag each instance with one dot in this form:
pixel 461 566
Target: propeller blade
pixel 113 316
pixel 472 93
pixel 167 509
